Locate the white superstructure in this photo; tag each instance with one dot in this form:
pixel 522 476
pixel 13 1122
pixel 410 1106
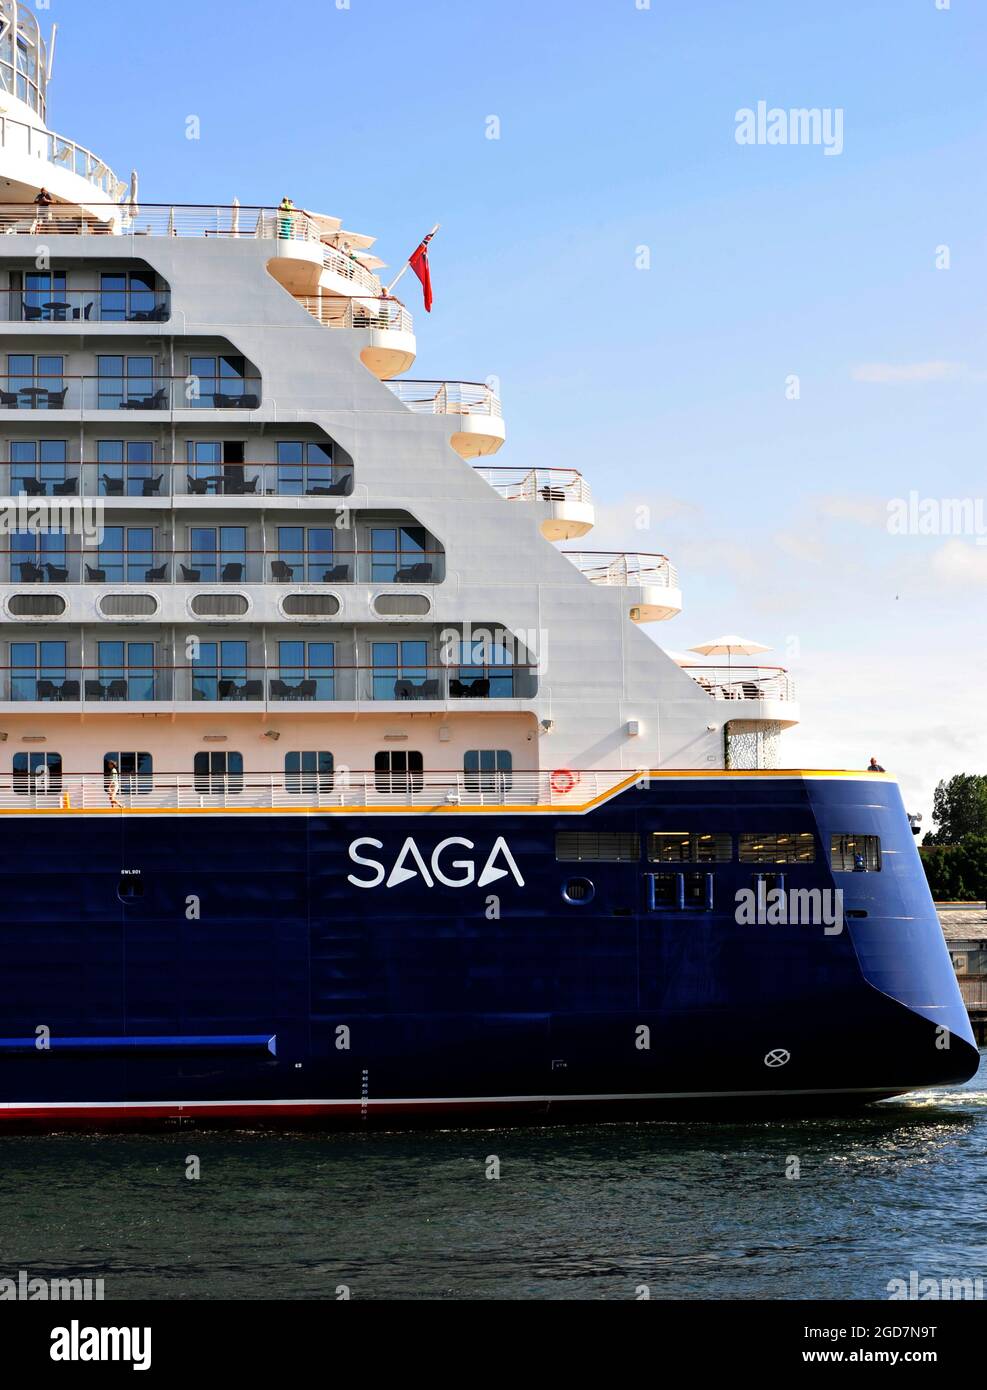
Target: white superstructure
pixel 284 550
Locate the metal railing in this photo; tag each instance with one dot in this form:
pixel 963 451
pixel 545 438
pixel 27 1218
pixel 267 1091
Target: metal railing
pixel 66 792
pixel 446 397
pixel 21 138
pixel 339 311
pixel 210 682
pixel 161 219
pixel 174 478
pixel 623 570
pixel 94 393
pixel 537 484
pixel 346 265
pixel 743 682
pixel 85 306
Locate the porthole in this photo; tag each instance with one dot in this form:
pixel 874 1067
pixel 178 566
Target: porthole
pixel 127 605
pixel 310 605
pixel 578 892
pixel 402 605
pixel 36 605
pixel 219 605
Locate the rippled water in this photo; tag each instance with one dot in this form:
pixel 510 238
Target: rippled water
pixel 690 1210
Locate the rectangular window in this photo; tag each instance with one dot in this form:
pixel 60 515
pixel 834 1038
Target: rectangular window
pixel 36 466
pixel 400 671
pixel 305 671
pixel 304 469
pixel 777 847
pixel 135 770
pixel 488 769
pixel 308 772
pixel 398 771
pixel 125 383
pixel 680 892
pixel 125 468
pixel 690 847
pixel 37 670
pixel 219 672
pixel 218 774
pixel 125 672
pixel 37 774
pixel 856 852
pixel 597 846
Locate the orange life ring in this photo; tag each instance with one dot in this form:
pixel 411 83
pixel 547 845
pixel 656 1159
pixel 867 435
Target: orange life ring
pixel 563 780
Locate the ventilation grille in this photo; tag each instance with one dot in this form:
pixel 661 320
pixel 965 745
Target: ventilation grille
pixel 309 605
pixel 220 605
pixel 402 605
pixel 128 605
pixel 605 847
pixel 36 606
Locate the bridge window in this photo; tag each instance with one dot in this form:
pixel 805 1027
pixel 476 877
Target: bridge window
pixel 398 772
pixel 686 847
pixel 601 847
pixel 777 847
pixel 218 773
pixel 488 769
pixel 860 853
pixel 135 771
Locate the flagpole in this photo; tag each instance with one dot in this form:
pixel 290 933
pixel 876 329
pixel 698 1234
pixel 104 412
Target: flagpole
pixel 408 262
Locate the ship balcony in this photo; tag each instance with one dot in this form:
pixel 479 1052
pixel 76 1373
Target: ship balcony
pixel 651 581
pixel 98 395
pixel 751 692
pixel 85 306
pixel 391 346
pixel 120 484
pixel 143 685
pixel 478 421
pixel 560 498
pixel 143 562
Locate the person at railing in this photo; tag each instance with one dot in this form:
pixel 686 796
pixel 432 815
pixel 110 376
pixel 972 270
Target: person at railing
pixel 43 202
pixel 113 785
pixel 286 221
pixel 874 766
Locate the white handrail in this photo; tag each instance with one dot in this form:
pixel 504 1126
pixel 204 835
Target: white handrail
pixel 624 570
pixel 59 150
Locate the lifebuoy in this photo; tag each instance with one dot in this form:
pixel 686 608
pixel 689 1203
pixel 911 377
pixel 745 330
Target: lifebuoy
pixel 563 780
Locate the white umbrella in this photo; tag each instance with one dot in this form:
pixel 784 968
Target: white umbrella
pixel 729 646
pixel 235 220
pixel 133 207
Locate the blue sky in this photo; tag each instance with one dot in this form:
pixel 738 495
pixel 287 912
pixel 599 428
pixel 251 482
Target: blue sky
pixel 665 386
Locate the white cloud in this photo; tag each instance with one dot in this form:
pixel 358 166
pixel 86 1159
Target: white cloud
pixel 959 562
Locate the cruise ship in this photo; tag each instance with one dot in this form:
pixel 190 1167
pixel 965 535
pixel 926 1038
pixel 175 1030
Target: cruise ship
pixel 339 783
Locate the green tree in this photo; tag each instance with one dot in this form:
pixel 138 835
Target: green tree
pixel 957 872
pixel 959 809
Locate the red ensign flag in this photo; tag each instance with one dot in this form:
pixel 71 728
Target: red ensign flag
pixel 418 261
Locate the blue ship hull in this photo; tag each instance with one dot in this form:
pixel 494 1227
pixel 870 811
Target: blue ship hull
pixel 226 966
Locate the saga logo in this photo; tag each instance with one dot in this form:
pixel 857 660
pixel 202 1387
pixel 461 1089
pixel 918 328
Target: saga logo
pixel 499 863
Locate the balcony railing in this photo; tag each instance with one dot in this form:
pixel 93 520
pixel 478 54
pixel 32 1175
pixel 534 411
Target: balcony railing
pixel 447 397
pixel 66 792
pixel 609 567
pixel 157 564
pixel 245 683
pixel 537 484
pixel 340 263
pixel 372 312
pixel 743 682
pixel 85 306
pixel 98 393
pixel 160 219
pixel 175 478
pixel 18 137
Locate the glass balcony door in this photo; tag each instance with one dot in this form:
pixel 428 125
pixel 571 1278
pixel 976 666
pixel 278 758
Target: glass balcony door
pixel 125 554
pixel 303 469
pixel 35 382
pixel 37 557
pixel 37 466
pixel 126 296
pixel 217 554
pixel 126 468
pixel 305 671
pixel 44 295
pixel 125 671
pixel 219 672
pixel 394 550
pixel 305 553
pixel 224 375
pixel 486 669
pixel 400 670
pixel 32 665
pixel 124 382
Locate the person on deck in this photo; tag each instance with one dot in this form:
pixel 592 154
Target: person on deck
pixel 874 766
